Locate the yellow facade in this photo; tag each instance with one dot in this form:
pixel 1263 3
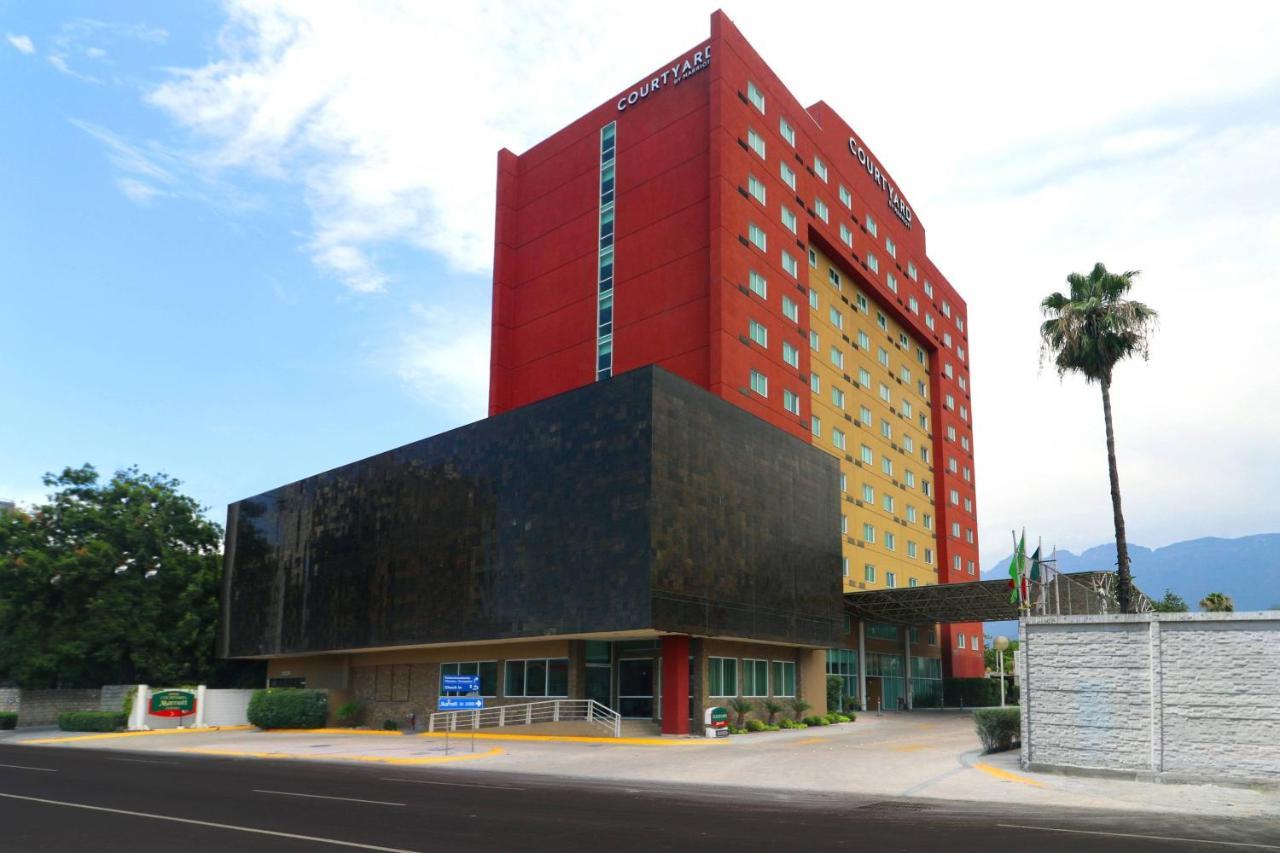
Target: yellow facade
pixel 869 390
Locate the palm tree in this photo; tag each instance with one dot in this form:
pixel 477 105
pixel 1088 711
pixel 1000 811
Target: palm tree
pixel 1217 602
pixel 1088 332
pixel 741 707
pixel 773 707
pixel 798 706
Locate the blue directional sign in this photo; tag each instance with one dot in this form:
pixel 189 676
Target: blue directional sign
pixel 460 703
pixel 461 684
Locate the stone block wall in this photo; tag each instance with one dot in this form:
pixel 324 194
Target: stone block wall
pixel 42 707
pixel 1192 696
pixel 10 699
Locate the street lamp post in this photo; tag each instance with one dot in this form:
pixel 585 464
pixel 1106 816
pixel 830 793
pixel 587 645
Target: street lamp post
pixel 1001 643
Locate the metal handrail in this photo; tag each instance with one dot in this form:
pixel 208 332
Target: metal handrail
pixel 527 714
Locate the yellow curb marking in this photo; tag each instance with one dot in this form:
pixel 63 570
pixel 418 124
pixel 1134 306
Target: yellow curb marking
pixel 805 740
pixel 908 747
pixel 1007 776
pixel 625 741
pixel 375 759
pixel 365 732
pixel 115 735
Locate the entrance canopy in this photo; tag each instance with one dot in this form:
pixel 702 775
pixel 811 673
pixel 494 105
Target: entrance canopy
pixel 1075 594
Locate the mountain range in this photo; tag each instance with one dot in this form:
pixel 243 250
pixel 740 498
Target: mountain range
pixel 1247 569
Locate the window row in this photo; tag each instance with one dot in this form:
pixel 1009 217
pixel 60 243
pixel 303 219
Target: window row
pixel 759 678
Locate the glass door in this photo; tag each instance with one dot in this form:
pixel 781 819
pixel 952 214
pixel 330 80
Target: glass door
pixel 635 687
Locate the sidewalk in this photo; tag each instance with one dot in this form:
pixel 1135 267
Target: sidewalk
pixel 921 754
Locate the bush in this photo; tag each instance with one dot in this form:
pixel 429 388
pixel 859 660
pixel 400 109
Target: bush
pixel 998 728
pixel 289 708
pixel 971 692
pixel 850 704
pixel 814 721
pixel 755 725
pixel 91 721
pixel 8 720
pixel 831 719
pixel 835 686
pixel 350 713
pixel 842 718
pixel 734 730
pixel 791 724
pixel 390 726
pixel 1011 694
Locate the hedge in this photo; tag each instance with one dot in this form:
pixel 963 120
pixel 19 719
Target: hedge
pixel 91 721
pixel 289 708
pixel 973 693
pixel 8 720
pixel 998 728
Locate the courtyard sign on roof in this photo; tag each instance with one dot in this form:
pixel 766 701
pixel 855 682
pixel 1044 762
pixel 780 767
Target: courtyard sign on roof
pixel 699 60
pixel 896 202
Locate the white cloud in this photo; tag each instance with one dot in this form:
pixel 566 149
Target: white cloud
pixel 1031 142
pixel 147 174
pixel 443 359
pixel 22 44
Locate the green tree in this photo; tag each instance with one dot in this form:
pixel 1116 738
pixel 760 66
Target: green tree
pixel 1171 603
pixel 741 706
pixel 110 582
pixel 1088 331
pixel 993 663
pixel 1217 602
pixel 773 708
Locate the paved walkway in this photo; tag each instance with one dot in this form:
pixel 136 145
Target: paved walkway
pixel 921 754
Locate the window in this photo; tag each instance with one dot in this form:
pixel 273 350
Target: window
pixel 784 678
pixel 836 318
pixel 787 132
pixel 758 285
pixel 820 209
pixel 759 334
pixel 928 521
pixel 911 514
pixel 759 383
pixel 837 397
pixel 928 289
pixel 790 401
pixel 864 377
pixel 882 356
pixel 864 414
pixel 873 263
pixel 846 236
pixel 815 425
pixel 886 465
pixel 755 96
pixel 755 677
pixel 756 188
pixel 946 308
pixel 756 235
pixel 790 354
pixel 911 582
pixel 846 198
pixel 954 498
pixel 928 556
pixel 486 669
pixel 819 168
pixel 844 482
pixel 912 272
pixel 912 550
pixel 909 478
pixel 813 299
pixel 790 264
pixel 964 413
pixel 815 382
pixel 886 429
pixel 881 321
pixel 946 339
pixel 869 533
pixel 869 573
pixel 960 640
pixel 887 502
pixel 844 567
pixel 890 247
pixel 871 226
pixel 868 493
pixel 976 643
pixel 539 677
pixel 946 369
pixel 722 676
pixel 837 358
pixel 833 277
pixel 788 176
pixel 864 342
pixel 862 303
pixel 913 305
pixel 955 529
pixel 755 142
pixel 788 219
pixel 928 319
pixel 867 456
pixel 892 281
pixel 813 341
pixel 884 392
pixel 790 309
pixel 837 438
pixel 891 579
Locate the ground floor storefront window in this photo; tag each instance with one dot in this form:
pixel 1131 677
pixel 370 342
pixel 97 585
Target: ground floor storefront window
pixel 537 677
pixel 843 663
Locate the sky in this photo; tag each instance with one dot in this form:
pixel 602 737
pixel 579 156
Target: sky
pixel 245 242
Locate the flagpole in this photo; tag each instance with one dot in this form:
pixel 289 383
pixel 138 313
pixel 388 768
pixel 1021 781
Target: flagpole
pixel 1057 584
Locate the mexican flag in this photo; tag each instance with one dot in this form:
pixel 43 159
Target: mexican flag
pixel 1017 567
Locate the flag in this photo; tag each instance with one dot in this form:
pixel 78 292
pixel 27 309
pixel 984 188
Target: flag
pixel 1035 565
pixel 1015 570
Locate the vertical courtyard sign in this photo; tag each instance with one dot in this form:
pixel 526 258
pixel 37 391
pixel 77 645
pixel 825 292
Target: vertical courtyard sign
pixel 896 202
pixel 699 60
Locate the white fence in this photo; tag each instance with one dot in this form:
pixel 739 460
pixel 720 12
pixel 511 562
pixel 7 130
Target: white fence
pixel 1177 696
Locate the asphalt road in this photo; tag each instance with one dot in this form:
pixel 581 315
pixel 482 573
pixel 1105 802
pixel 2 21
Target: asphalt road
pixel 56 799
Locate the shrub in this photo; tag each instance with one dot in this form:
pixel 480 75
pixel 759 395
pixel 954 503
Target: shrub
pixel 734 730
pixel 773 707
pixel 741 707
pixel 1011 694
pixel 791 724
pixel 814 721
pixel 850 704
pixel 831 719
pixel 349 713
pixel 998 728
pixel 755 725
pixel 390 725
pixel 8 720
pixel 971 692
pixel 841 718
pixel 798 706
pixel 91 721
pixel 288 708
pixel 835 686
pixel 850 716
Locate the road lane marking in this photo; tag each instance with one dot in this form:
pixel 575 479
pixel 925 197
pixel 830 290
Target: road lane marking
pixel 204 730
pixel 1007 776
pixel 807 740
pixel 451 784
pixel 336 842
pixel 141 761
pixel 1251 845
pixel 25 767
pixel 325 797
pixel 336 756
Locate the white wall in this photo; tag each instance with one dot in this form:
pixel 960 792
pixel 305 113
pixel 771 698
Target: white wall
pixel 227 707
pixel 1173 695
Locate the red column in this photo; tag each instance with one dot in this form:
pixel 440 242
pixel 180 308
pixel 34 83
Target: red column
pixel 675 685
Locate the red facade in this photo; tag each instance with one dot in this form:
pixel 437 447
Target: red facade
pixel 682 251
